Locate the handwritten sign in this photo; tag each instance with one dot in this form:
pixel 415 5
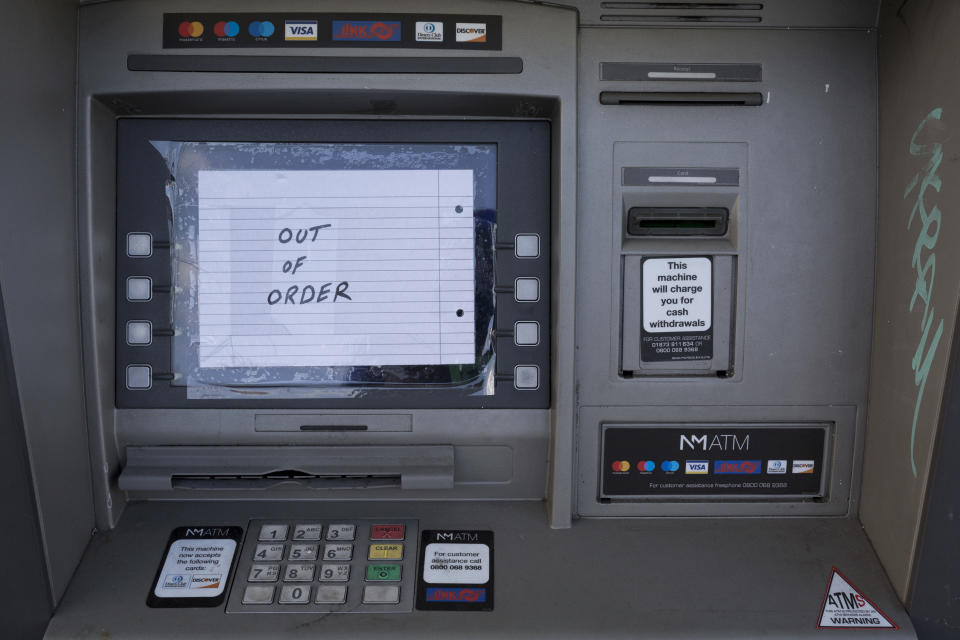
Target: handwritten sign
pixel 335 268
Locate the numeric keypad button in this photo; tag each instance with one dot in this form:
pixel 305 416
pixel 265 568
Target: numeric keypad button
pixel 341 532
pixel 334 573
pixel 303 552
pixel 295 594
pixel 264 573
pixel 267 552
pixel 307 532
pixel 342 552
pixel 298 573
pixel 273 532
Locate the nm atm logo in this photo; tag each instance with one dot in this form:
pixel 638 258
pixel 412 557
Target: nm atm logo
pixel 300 30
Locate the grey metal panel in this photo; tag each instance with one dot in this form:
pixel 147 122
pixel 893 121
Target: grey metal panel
pixel 27 605
pixel 804 289
pixel 934 593
pixel 724 578
pixel 545 89
pixel 38 270
pixel 918 270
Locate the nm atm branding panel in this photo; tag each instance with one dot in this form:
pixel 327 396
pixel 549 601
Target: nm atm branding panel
pixel 427 31
pixel 690 460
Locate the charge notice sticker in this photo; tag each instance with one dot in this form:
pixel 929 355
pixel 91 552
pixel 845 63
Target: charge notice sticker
pixel 677 309
pixel 456 571
pixel 196 566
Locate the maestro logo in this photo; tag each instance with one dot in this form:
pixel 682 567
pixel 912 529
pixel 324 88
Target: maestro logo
pixel 366 30
pixel 300 30
pixel 741 467
pixel 436 594
pixel 646 466
pixel 429 32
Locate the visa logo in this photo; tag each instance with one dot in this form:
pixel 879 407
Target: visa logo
pixel 300 30
pixel 697 467
pixel 435 594
pixel 737 466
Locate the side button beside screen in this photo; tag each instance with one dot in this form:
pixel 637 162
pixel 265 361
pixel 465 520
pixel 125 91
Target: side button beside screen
pixel 139 288
pixel 526 333
pixel 139 377
pixel 139 245
pixel 526 376
pixel 139 333
pixel 526 289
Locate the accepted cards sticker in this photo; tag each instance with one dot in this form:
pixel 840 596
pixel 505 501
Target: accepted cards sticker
pixel 196 567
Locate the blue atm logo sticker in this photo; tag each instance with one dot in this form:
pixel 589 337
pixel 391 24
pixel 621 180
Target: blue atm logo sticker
pixel 366 30
pixel 447 594
pixel 741 467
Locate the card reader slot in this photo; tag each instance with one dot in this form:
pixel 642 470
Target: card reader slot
pixel 284 480
pixel 163 468
pixel 324 64
pixel 677 221
pixel 691 98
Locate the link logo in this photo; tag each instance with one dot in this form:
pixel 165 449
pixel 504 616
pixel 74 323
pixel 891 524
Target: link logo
pixel 740 467
pixel 437 594
pixel 366 31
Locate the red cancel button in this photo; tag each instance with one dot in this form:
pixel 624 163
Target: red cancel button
pixel 386 532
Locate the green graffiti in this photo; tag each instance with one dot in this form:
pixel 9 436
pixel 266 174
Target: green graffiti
pixel 925 263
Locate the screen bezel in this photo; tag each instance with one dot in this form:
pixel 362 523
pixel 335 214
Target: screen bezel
pixel 523 205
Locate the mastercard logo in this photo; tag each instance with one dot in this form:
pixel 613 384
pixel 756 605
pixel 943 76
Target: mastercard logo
pixel 190 29
pixel 620 465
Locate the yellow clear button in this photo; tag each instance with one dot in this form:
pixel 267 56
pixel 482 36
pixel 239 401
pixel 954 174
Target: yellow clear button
pixel 386 552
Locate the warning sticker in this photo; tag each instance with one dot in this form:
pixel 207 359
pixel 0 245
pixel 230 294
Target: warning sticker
pixel 456 571
pixel 196 567
pixel 845 607
pixel 677 309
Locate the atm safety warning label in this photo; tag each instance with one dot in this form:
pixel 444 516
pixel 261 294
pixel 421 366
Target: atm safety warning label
pixel 845 607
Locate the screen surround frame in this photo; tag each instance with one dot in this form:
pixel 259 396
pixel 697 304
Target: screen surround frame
pixel 522 205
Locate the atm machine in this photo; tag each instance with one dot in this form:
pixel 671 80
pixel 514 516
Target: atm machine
pixel 484 319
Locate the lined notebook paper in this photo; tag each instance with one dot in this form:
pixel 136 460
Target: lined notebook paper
pixel 335 268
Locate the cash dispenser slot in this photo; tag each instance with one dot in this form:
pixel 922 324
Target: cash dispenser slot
pixel 677 221
pixel 677 98
pixel 261 468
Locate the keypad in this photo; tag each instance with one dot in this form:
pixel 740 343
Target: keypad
pixel 326 566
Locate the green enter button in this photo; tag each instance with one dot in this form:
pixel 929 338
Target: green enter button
pixel 383 572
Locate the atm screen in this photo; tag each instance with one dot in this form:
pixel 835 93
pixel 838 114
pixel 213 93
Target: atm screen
pixel 349 259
